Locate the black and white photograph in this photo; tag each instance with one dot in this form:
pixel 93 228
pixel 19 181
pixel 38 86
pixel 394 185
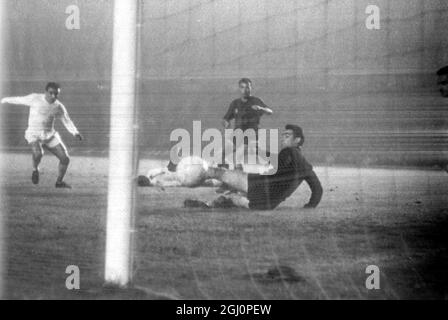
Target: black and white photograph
pixel 250 151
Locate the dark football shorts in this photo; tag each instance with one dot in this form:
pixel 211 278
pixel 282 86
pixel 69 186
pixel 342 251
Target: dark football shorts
pixel 259 193
pixel 246 138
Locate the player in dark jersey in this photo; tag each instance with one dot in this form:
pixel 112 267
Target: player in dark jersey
pixel 266 192
pixel 246 112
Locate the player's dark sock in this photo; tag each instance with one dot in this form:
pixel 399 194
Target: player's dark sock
pixel 171 167
pixel 143 181
pixel 62 185
pixel 191 203
pixel 35 177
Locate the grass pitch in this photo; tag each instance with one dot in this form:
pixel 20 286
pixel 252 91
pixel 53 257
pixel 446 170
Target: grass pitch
pixel 393 218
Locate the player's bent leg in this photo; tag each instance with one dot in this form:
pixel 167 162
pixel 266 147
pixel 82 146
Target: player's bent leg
pixel 316 190
pixel 36 148
pixel 235 179
pixel 60 151
pixel 38 152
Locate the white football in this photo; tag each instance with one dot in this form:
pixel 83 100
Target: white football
pixel 191 171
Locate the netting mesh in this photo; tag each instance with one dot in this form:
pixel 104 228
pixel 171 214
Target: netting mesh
pixel 221 38
pixel 224 38
pixel 313 61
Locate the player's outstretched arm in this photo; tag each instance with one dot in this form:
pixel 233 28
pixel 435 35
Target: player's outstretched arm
pixel 316 190
pixel 68 123
pixel 265 110
pixel 26 100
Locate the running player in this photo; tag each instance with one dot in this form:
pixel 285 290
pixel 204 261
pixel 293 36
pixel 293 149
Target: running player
pixel 44 109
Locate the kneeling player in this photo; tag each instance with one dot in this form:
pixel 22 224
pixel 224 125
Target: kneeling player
pixel 266 192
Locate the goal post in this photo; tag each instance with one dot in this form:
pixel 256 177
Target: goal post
pixel 122 150
pixel 3 63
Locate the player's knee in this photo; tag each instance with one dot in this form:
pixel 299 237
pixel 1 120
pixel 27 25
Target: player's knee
pixel 65 160
pixel 37 155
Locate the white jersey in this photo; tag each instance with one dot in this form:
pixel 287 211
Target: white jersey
pixel 42 116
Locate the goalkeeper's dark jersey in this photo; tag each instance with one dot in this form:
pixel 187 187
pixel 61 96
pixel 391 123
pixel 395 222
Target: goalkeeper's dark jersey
pixel 268 191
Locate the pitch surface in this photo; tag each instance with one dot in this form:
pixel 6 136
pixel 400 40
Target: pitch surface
pixel 393 218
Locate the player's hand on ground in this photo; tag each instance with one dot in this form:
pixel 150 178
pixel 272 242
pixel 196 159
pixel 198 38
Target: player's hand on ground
pixel 3 101
pixel 225 124
pixel 79 137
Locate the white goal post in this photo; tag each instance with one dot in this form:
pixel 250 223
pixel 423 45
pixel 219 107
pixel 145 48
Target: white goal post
pixel 3 26
pixel 122 152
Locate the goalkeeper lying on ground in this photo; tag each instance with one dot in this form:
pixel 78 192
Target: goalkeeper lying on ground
pixel 266 192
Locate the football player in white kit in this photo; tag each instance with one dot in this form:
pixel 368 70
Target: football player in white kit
pixel 44 109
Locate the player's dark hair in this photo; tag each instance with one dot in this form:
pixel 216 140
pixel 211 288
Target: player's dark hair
pixel 442 71
pixel 297 131
pixel 52 85
pixel 245 80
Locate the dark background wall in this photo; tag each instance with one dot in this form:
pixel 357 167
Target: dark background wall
pixel 362 96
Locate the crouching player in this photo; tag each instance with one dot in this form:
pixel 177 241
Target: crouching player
pixel 266 192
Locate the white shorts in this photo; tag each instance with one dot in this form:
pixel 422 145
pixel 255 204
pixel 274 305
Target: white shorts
pixel 50 141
